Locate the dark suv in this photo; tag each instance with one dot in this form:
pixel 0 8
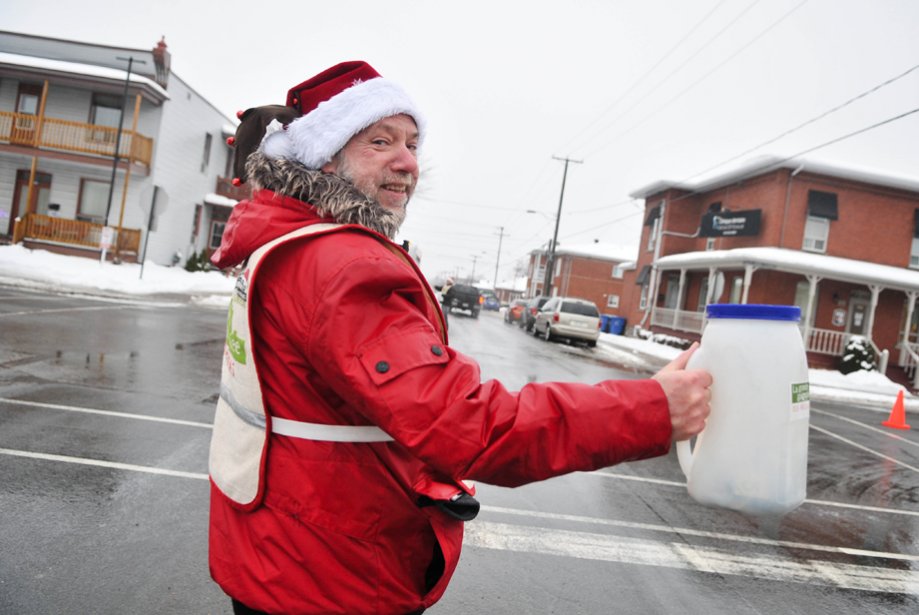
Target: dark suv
pixel 529 312
pixel 463 297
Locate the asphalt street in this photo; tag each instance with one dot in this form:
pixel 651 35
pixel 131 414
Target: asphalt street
pixel 105 411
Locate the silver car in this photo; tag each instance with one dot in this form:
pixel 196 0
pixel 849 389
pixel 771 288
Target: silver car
pixel 568 318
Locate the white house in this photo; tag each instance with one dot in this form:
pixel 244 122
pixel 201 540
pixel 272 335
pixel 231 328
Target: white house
pixel 73 117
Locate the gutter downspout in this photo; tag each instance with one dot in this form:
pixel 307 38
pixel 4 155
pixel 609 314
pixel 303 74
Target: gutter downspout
pixel 653 282
pixel 787 200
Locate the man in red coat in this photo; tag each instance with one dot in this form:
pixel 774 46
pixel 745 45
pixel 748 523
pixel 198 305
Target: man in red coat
pixel 346 423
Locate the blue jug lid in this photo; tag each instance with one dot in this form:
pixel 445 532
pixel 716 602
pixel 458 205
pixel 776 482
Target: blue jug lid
pixel 754 311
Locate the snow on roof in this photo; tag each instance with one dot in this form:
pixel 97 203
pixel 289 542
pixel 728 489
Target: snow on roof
pixel 766 164
pixel 217 199
pixel 604 251
pixel 228 130
pixel 795 261
pixel 76 68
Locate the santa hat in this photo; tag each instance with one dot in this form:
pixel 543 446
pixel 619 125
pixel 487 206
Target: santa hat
pixel 337 104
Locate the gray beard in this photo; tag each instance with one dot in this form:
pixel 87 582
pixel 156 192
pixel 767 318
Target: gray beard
pixel 332 196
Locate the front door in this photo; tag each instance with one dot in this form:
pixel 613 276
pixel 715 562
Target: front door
pixel 41 193
pixel 858 315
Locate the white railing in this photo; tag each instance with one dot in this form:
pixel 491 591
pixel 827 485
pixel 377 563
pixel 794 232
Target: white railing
pixel 685 320
pixel 909 360
pixel 826 341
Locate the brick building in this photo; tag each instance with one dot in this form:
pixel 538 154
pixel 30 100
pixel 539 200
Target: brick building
pixel 841 243
pixel 594 271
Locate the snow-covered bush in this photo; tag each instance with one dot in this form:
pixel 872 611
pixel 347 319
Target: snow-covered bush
pixel 858 355
pixel 660 338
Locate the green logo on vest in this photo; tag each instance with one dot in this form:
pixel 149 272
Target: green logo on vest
pixel 235 344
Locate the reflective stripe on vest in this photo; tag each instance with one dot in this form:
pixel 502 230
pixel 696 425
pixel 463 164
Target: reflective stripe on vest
pixel 304 430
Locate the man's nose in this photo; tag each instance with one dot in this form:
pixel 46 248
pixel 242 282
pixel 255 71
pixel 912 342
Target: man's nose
pixel 405 161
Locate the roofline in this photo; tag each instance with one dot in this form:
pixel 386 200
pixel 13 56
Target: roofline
pixel 767 164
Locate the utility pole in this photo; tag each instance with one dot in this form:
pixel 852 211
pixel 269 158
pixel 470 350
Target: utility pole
pixel 475 257
pixel 500 240
pixel 550 260
pixel 115 156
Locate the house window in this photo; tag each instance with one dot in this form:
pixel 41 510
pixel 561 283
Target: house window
pixel 612 301
pixel 652 236
pixel 216 234
pixel 106 112
pixel 816 232
pixel 93 200
pixel 703 295
pixel 914 254
pixel 618 270
pixel 206 156
pixel 643 301
pixel 709 244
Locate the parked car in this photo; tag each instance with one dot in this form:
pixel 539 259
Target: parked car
pixel 514 311
pixel 463 297
pixel 530 311
pixel 568 318
pixel 489 300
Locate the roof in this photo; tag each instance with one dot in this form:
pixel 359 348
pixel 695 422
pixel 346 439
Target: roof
pixel 603 251
pixel 796 261
pixel 766 164
pixel 60 67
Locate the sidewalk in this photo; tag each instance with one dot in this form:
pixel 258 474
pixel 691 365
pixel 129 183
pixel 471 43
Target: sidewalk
pixel 868 389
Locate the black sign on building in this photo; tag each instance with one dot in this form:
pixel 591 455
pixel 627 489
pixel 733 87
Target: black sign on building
pixel 731 223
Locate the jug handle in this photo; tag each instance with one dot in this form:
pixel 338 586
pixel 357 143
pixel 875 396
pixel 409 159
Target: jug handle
pixel 684 455
pixel 683 447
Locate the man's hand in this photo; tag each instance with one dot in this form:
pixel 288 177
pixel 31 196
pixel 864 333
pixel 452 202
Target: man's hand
pixel 688 395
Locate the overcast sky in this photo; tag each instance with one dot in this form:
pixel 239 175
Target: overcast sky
pixel 638 91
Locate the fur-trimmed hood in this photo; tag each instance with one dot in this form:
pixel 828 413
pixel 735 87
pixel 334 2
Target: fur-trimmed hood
pixel 286 196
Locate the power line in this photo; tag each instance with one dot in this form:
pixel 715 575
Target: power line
pixel 649 71
pixel 810 121
pixel 703 77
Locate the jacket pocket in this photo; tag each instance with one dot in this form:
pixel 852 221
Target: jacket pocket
pixel 392 355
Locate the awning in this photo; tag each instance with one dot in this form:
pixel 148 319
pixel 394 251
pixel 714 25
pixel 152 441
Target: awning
pixel 642 278
pixel 822 205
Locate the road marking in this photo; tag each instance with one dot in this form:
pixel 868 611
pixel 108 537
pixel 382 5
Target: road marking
pixel 60 310
pixel 123 415
pixel 865 448
pixel 526 513
pixel 670 483
pixel 603 547
pixel 102 464
pixel 703 534
pixel 868 427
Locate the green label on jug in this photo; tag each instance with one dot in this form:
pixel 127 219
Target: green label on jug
pixel 800 400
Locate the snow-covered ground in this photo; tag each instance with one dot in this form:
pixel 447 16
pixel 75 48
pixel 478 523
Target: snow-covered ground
pixel 42 269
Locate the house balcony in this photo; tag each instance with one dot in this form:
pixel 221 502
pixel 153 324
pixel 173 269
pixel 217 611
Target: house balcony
pixel 73 137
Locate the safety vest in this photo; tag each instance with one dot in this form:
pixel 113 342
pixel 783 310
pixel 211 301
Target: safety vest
pixel 240 436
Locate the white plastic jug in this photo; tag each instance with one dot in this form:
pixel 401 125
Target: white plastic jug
pixel 752 454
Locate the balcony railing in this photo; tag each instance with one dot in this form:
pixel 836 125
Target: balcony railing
pixel 74 233
pixel 67 136
pixel 679 320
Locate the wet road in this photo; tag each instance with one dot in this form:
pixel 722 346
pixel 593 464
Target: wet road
pixel 104 425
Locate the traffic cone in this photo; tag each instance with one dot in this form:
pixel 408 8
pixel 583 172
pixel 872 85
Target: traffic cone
pixel 897 418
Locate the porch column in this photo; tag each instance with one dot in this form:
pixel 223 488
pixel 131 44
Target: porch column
pixel 679 298
pixel 812 281
pixel 747 279
pixel 875 291
pixel 910 305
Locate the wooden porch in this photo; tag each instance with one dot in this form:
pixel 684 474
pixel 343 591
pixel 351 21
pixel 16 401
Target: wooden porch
pixel 74 237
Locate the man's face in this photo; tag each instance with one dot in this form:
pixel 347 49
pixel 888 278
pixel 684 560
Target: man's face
pixel 381 161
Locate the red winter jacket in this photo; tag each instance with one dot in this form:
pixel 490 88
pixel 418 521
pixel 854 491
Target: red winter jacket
pixel 339 529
